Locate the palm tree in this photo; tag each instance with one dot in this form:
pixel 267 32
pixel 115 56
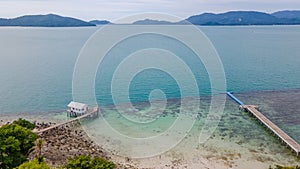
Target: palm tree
pixel 37 149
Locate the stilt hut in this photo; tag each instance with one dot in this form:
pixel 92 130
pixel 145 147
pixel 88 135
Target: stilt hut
pixel 76 109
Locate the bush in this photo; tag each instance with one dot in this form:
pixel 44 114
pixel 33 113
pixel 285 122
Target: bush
pixel 15 144
pixel 34 164
pixel 100 163
pixel 282 167
pixel 86 162
pixel 24 123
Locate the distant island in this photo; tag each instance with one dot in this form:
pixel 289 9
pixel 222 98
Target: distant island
pixel 246 18
pixel 100 22
pixel 210 19
pixel 152 22
pixel 234 18
pixel 50 20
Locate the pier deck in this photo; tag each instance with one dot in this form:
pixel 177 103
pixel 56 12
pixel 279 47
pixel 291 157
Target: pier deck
pixel 94 112
pixel 269 124
pixel 273 127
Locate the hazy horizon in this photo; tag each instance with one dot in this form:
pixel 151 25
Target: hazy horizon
pixel 113 10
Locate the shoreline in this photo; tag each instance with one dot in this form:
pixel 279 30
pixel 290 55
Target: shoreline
pixel 214 154
pixel 71 140
pixel 231 146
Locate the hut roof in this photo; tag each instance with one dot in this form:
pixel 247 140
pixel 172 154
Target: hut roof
pixel 77 105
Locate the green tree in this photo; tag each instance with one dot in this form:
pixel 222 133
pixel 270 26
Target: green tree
pixel 25 136
pixel 286 167
pixel 24 123
pixel 37 148
pixel 9 152
pixel 34 164
pixel 100 163
pixel 79 162
pixel 86 162
pixel 15 144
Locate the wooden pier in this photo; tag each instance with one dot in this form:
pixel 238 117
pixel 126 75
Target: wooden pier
pixel 290 142
pixel 92 114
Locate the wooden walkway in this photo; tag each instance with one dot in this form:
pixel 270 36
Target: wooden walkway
pixel 268 123
pixel 274 128
pixel 94 112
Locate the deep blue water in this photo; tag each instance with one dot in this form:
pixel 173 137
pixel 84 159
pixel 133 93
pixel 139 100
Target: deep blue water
pixel 37 64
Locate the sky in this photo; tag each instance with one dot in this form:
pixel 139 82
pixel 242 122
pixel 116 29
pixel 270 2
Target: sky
pixel 114 9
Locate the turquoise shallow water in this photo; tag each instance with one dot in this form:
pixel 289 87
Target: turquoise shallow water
pixel 237 132
pixel 37 65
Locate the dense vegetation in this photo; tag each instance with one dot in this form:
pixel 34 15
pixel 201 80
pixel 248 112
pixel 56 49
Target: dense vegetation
pixel 78 162
pixel 34 164
pixel 15 143
pixel 17 140
pixel 86 162
pixel 282 167
pixel 24 123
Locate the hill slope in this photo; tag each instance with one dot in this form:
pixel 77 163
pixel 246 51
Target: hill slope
pixel 99 22
pixel 151 22
pixel 287 14
pixel 49 20
pixel 234 18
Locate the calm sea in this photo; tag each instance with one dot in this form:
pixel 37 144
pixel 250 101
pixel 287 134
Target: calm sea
pixel 261 64
pixel 37 65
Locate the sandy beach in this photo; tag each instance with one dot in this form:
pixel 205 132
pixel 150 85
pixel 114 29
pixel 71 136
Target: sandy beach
pixel 70 140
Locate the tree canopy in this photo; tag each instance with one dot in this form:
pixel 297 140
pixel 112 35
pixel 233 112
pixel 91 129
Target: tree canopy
pixel 86 162
pixel 282 167
pixel 24 123
pixel 15 144
pixel 34 164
